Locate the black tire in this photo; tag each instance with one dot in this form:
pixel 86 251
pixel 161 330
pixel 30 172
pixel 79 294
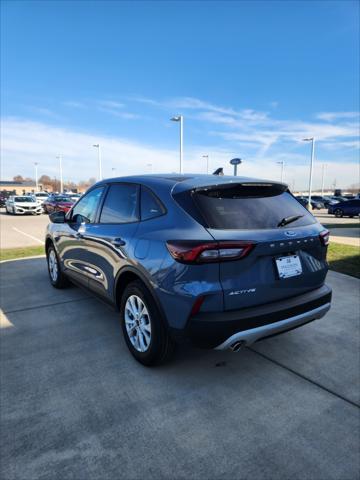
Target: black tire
pixel 338 213
pixel 59 280
pixel 161 346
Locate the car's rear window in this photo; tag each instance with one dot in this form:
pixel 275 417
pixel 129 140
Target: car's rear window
pixel 248 207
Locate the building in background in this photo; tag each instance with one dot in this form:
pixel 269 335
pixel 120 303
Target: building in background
pixel 18 188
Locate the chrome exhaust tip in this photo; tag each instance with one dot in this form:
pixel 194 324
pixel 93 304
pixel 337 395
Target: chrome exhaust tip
pixel 235 347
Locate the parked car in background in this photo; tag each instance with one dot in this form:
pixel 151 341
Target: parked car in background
pixel 338 198
pixel 3 199
pixel 350 208
pixel 74 196
pixel 218 261
pixel 57 203
pixel 21 205
pixel 314 204
pixel 41 196
pixel 325 200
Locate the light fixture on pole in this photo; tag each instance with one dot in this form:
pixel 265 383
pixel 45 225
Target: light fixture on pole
pixel 323 178
pixel 97 145
pixel 180 119
pixel 312 140
pixel 113 169
pixel 59 157
pixel 207 163
pixel 36 176
pixel 282 163
pixel 235 162
pixel 150 165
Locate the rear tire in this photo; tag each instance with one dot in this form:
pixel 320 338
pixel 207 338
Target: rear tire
pixel 57 277
pixel 145 334
pixel 339 213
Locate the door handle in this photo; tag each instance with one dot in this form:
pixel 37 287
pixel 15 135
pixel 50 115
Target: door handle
pixel 118 242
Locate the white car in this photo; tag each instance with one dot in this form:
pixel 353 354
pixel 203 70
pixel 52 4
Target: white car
pixel 41 196
pixel 18 205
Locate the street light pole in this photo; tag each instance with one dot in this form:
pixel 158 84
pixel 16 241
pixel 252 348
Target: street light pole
pixel 36 176
pixel 97 145
pixel 59 157
pixel 282 163
pixel 180 119
pixel 150 165
pixel 312 140
pixel 323 179
pixel 207 163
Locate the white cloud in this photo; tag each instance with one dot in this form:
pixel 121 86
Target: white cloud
pixel 110 104
pixel 255 127
pixel 274 104
pixel 116 109
pixel 331 116
pixel 25 142
pixel 73 104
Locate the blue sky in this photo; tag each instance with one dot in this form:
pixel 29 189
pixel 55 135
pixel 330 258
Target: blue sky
pixel 250 78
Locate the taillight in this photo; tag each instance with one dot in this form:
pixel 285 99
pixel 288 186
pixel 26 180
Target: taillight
pixel 190 251
pixel 325 237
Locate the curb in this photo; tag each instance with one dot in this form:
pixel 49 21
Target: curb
pixel 22 258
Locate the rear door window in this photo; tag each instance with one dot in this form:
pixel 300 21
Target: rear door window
pixel 151 206
pixel 234 207
pixel 121 204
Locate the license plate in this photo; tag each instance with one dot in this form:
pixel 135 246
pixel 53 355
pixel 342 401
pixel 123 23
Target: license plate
pixel 289 266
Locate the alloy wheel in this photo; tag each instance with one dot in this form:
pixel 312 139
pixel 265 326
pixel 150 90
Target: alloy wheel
pixel 137 323
pixel 53 265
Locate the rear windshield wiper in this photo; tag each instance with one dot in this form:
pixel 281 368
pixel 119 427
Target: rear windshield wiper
pixel 287 220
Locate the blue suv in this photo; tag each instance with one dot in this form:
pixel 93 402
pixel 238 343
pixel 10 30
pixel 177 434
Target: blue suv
pixel 220 262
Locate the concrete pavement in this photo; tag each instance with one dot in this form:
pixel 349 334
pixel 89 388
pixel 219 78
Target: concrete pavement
pixel 25 231
pixel 75 405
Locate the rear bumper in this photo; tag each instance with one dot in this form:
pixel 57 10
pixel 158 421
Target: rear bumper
pixel 221 330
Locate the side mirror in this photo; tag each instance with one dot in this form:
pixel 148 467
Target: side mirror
pixel 57 217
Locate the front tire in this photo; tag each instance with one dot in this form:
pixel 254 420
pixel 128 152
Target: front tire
pixel 57 277
pixel 143 326
pixel 338 213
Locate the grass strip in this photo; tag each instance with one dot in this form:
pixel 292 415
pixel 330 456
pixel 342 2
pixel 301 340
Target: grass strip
pixel 12 253
pixel 344 259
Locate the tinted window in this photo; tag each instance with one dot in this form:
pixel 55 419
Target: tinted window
pixel 150 205
pixel 234 208
pixel 121 204
pixel 24 199
pixel 353 203
pixel 61 199
pixel 85 210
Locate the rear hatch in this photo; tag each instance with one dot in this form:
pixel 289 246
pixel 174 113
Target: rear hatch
pixel 285 255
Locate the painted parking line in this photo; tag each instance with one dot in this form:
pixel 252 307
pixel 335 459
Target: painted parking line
pixel 28 235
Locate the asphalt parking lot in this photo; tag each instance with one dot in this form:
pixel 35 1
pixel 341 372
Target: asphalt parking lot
pixel 22 230
pixel 28 230
pixel 75 405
